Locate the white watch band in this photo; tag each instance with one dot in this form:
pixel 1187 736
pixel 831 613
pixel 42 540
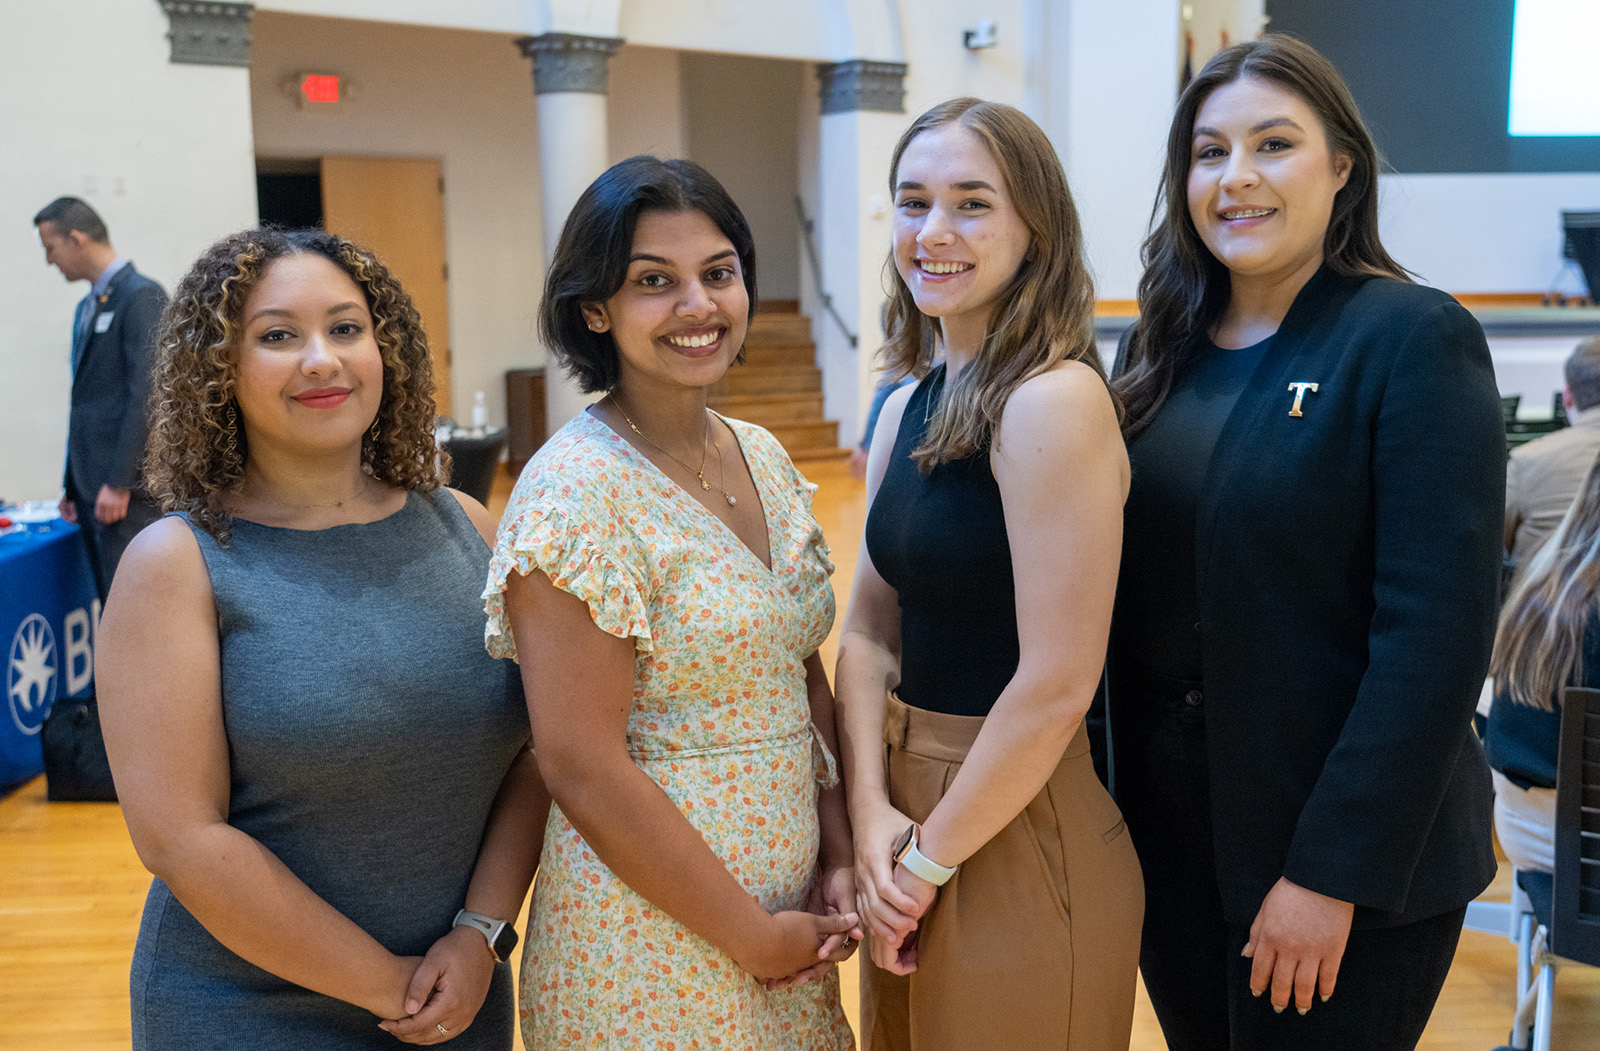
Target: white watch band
pixel 491 929
pixel 924 867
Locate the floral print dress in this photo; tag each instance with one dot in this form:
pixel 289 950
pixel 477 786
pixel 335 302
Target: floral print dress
pixel 720 721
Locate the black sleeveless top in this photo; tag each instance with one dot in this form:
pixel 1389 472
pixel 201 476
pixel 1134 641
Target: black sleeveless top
pixel 939 539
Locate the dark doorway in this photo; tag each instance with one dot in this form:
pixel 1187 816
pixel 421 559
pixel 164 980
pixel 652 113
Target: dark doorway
pixel 289 198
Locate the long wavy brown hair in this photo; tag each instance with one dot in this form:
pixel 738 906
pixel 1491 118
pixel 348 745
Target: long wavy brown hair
pixel 198 449
pixel 1045 316
pixel 1185 288
pixel 1538 647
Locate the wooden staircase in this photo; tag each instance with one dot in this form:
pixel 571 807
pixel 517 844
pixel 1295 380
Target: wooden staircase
pixel 779 385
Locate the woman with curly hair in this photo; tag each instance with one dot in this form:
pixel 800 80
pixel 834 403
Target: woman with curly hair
pixel 327 775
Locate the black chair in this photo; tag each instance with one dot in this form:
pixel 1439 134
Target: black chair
pixel 1559 914
pixel 1520 432
pixel 1575 909
pixel 474 460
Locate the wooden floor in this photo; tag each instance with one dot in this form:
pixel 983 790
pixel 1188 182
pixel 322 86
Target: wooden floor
pixel 71 890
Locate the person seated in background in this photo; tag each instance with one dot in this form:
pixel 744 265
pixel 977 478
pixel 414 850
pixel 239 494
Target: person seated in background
pixel 1549 638
pixel 328 776
pixel 1543 476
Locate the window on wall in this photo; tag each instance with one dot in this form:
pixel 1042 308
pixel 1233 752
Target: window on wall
pixel 1553 49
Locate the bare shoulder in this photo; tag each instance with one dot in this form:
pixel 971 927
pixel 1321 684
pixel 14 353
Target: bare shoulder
pixel 478 514
pixel 1069 402
pixel 884 435
pixel 162 565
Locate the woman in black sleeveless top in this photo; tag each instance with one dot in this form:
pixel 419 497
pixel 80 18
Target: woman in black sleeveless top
pixel 1002 898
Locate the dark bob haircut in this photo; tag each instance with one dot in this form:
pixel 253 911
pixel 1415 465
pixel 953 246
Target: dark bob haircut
pixel 591 261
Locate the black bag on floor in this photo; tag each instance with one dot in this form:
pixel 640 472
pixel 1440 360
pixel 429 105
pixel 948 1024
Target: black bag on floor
pixel 75 766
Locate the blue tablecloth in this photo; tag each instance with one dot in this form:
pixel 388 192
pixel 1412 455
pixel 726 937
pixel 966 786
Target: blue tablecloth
pixel 48 616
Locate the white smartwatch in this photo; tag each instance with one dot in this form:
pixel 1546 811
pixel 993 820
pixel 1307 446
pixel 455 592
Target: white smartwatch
pixel 918 864
pixel 500 934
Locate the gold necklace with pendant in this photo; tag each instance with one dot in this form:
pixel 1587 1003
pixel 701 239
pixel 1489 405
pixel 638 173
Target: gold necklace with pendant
pixel 699 473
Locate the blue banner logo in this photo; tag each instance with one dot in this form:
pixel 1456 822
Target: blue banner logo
pixel 31 675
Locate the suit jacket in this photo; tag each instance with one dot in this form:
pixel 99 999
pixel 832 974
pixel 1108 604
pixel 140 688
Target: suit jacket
pixel 1542 478
pixel 1347 566
pixel 107 429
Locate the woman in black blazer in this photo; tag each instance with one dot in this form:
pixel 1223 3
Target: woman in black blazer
pixel 1307 598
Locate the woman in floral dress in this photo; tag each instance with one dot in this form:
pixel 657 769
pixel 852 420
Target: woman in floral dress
pixel 661 579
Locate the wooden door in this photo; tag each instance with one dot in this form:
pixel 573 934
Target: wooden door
pixel 395 207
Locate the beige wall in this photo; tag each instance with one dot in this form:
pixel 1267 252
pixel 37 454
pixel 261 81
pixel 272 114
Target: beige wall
pixel 503 16
pixel 645 108
pixel 1209 19
pixel 90 106
pixel 742 128
pixel 462 96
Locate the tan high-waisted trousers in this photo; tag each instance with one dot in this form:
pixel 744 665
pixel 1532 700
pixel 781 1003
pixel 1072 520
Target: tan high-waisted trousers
pixel 1034 942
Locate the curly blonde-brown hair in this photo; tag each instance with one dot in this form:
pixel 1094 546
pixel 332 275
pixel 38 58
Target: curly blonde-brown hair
pixel 197 449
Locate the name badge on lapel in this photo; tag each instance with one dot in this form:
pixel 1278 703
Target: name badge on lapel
pixel 1300 390
pixel 102 322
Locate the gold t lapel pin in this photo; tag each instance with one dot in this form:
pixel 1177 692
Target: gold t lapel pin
pixel 1299 396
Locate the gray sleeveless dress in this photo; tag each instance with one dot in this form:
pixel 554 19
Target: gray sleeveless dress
pixel 368 733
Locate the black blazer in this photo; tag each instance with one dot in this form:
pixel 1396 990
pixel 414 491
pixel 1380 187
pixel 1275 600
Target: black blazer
pixel 1347 562
pixel 107 429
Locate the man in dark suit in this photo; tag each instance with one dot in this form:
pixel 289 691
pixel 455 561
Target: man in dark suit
pixel 113 351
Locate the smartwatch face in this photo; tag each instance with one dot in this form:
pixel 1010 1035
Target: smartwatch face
pixel 903 844
pixel 504 941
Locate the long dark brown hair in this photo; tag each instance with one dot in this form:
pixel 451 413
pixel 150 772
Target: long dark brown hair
pixel 1538 647
pixel 1044 316
pixel 1185 288
pixel 196 455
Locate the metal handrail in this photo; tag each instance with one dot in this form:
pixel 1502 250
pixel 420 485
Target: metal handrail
pixel 806 228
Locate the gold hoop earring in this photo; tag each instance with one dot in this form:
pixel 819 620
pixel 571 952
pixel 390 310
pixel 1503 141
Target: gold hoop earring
pixel 372 432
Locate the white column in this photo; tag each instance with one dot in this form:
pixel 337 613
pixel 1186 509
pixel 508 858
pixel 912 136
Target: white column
pixel 862 117
pixel 569 78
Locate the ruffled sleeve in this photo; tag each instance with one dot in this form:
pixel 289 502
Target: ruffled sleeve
pixel 592 557
pixel 816 544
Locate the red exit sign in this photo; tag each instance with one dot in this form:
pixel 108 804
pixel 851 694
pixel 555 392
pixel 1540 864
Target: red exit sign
pixel 320 87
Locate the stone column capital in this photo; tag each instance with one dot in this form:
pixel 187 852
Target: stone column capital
pixel 207 33
pixel 569 62
pixel 862 84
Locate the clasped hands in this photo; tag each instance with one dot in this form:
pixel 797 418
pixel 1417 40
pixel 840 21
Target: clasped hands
pixel 445 989
pixel 890 899
pixel 802 946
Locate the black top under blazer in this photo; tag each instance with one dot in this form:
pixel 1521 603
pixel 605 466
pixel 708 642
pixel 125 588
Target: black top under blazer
pixel 1347 564
pixel 107 429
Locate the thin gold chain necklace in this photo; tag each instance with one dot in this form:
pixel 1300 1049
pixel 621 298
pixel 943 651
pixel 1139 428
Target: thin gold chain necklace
pixel 704 441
